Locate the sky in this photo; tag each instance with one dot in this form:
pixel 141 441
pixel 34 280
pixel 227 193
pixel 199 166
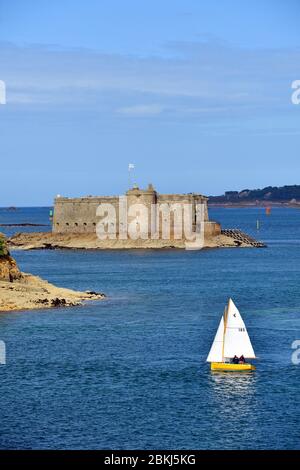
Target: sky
pixel 197 94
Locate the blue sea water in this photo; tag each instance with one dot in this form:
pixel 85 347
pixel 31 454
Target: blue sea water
pixel 130 372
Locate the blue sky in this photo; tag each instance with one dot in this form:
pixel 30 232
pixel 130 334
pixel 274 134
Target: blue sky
pixel 196 94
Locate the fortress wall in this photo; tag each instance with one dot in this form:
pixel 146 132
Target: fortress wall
pixel 212 229
pixel 193 199
pixel 78 215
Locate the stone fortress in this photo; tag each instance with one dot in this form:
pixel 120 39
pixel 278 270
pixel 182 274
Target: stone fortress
pixel 76 223
pixel 79 215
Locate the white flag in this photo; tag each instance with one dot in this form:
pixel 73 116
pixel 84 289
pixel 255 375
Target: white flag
pixel 130 166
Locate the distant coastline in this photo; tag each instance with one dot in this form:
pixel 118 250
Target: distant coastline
pixel 258 204
pixel 270 196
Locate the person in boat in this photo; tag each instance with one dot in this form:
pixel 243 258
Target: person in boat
pixel 242 360
pixel 235 360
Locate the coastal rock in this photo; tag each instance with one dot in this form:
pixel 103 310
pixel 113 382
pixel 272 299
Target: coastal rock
pixel 9 270
pixel 21 291
pixel 32 292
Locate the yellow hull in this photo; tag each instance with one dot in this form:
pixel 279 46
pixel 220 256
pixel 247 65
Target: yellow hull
pixel 231 367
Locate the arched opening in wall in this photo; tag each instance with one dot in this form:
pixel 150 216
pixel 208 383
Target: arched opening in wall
pixel 76 224
pixel 57 223
pixel 84 223
pixel 67 223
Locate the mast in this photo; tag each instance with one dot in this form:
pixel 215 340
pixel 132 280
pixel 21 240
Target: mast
pixel 225 324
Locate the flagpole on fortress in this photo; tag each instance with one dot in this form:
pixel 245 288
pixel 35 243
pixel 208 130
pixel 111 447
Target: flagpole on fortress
pixel 130 167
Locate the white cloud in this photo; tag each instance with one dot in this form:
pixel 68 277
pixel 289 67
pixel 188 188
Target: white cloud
pixel 205 82
pixel 141 110
pixel 22 98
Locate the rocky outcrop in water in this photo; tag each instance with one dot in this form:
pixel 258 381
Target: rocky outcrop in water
pixel 21 291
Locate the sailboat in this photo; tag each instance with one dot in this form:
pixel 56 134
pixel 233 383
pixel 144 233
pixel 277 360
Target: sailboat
pixel 231 340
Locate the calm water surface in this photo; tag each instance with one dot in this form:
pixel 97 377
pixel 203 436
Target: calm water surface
pixel 130 371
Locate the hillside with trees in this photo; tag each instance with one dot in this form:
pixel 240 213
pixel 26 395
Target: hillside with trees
pixel 268 195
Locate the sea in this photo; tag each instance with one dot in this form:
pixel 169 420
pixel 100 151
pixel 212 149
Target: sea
pixel 130 372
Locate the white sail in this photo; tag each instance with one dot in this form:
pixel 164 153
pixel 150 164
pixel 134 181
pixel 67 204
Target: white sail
pixel 236 339
pixel 216 350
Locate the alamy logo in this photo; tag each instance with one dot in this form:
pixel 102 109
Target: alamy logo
pixel 2 353
pixel 296 354
pixel 2 92
pixel 296 94
pixel 164 221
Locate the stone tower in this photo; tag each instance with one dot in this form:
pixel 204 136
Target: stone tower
pixel 143 201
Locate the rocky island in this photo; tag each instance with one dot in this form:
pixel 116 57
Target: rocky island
pixel 21 291
pixel 76 222
pixel 89 241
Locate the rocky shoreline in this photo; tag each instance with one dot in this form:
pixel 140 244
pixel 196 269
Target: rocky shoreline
pixel 32 292
pixel 22 291
pixel 89 241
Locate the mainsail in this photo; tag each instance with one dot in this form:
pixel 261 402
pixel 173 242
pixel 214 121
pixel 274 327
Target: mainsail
pixel 232 338
pixel 216 350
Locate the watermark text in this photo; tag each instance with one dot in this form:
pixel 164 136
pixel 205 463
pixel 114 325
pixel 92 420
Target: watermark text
pixel 296 94
pixel 2 92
